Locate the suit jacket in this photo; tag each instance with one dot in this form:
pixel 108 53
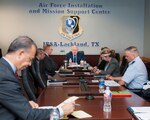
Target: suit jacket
pixel 43 72
pixel 113 68
pixel 13 105
pixel 50 65
pixel 80 56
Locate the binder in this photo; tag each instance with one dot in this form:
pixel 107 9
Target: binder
pixel 124 93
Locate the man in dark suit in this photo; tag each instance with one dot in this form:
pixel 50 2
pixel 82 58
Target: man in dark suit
pixel 50 65
pixel 40 55
pixel 74 55
pixel 13 105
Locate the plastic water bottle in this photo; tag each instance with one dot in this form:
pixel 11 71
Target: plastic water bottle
pixel 84 65
pixel 54 115
pixel 65 64
pixel 101 85
pixel 70 61
pixel 107 100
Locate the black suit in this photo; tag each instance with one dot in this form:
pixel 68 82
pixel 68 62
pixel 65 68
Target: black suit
pixel 50 65
pixel 13 105
pixel 80 56
pixel 43 72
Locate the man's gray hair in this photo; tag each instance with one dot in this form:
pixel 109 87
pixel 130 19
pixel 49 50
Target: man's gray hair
pixel 21 42
pixel 132 49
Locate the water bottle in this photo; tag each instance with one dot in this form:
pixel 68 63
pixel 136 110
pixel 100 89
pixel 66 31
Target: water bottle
pixel 70 61
pixel 81 63
pixel 55 114
pixel 107 100
pixel 65 64
pixel 85 65
pixel 101 85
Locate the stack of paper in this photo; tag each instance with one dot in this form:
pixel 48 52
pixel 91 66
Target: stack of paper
pixel 111 83
pixel 141 113
pixel 70 99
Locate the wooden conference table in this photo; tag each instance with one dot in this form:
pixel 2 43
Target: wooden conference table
pixel 54 95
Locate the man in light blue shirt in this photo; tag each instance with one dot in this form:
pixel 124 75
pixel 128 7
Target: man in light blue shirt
pixel 136 74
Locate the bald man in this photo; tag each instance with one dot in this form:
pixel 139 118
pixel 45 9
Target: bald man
pixel 75 55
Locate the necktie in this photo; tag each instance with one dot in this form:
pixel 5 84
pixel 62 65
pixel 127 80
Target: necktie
pixel 126 66
pixel 75 59
pixel 16 75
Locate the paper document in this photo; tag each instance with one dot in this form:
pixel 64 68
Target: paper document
pixel 111 83
pixel 70 99
pixel 80 114
pixel 141 113
pixel 74 65
pixel 95 81
pixel 140 109
pixel 143 116
pixel 45 107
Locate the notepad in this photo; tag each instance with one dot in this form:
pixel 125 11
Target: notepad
pixel 141 113
pixel 124 93
pixel 70 99
pixel 81 114
pixel 111 83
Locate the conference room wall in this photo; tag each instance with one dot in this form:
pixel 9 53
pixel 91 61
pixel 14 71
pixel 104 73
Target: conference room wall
pixel 123 27
pixel 147 30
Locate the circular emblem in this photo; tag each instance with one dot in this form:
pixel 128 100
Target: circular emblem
pixel 70 22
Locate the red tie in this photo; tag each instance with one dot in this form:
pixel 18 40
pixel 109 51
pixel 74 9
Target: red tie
pixel 17 76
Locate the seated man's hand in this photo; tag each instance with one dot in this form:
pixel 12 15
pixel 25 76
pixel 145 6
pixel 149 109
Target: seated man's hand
pixel 97 71
pixel 109 77
pixel 68 108
pixel 90 68
pixel 33 104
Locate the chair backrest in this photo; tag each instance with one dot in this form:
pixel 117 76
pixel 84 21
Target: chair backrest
pixel 147 64
pixel 35 70
pixel 123 65
pixel 28 84
pixel 82 52
pixel 0 53
pixel 117 56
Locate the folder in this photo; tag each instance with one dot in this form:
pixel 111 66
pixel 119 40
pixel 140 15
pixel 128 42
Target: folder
pixel 124 93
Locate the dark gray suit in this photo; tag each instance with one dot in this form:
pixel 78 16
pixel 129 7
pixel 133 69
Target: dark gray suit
pixel 113 68
pixel 80 56
pixel 13 105
pixel 50 65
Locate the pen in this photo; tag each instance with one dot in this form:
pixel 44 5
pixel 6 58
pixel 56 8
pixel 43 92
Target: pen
pixel 77 104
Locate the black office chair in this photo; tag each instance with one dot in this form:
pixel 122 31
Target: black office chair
pixel 123 65
pixel 28 84
pixel 117 56
pixel 36 72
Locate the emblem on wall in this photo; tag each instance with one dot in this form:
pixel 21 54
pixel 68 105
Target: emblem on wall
pixel 70 27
